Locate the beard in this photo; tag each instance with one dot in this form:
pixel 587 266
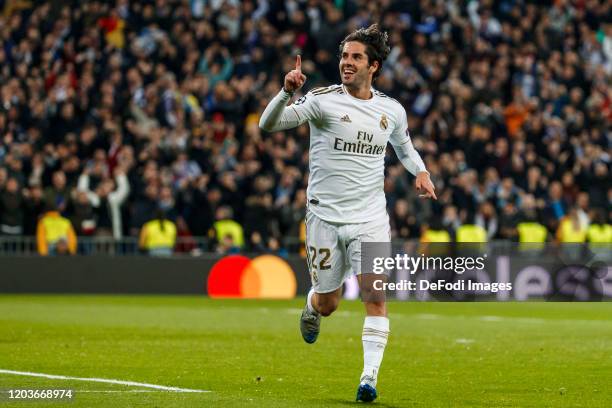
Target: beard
pixel 354 80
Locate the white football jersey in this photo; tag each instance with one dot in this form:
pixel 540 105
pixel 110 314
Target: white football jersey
pixel 348 139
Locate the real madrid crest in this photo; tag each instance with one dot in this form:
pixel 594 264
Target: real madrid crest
pixel 383 122
pixel 315 277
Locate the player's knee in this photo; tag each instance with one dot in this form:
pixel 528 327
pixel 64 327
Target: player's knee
pixel 327 307
pixel 327 310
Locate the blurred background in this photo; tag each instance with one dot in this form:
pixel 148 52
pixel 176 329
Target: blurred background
pixel 131 162
pixel 131 127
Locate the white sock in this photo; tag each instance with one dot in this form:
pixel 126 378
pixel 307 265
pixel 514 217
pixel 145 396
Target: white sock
pixel 311 309
pixel 374 337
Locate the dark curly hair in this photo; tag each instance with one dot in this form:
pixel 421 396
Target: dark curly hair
pixel 376 42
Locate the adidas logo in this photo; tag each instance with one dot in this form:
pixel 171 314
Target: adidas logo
pixel 345 118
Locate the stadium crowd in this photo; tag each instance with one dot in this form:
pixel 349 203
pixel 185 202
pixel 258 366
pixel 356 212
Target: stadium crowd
pixel 116 113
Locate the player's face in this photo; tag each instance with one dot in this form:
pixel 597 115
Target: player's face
pixel 355 70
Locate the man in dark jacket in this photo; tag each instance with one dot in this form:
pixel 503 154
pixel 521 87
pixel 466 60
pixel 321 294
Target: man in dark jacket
pixel 11 209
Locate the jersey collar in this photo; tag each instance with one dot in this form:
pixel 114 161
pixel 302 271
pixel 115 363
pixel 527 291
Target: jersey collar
pixel 359 99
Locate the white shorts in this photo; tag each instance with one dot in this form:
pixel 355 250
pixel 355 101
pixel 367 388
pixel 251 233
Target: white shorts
pixel 334 250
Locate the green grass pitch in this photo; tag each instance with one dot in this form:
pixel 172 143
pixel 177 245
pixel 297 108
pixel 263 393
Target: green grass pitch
pixel 250 353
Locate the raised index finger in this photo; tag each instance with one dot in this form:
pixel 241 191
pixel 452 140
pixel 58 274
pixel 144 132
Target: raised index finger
pixel 298 63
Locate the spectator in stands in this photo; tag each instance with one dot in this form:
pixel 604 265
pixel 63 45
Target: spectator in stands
pixel 275 248
pixel 463 192
pixel 256 243
pixel 600 231
pixel 55 234
pixel 200 212
pixel 167 202
pixel 34 207
pixel 144 206
pixel 556 207
pixel 508 221
pixel 12 209
pixel 226 246
pixel 470 232
pixel 107 200
pixel 487 219
pixel 158 236
pixel 226 231
pixel 260 208
pixel 505 98
pixel 185 243
pixel 450 219
pixel 571 229
pixel 3 177
pixel 58 194
pixel 507 192
pixel 216 64
pixel 582 208
pixel 82 214
pixel 529 228
pixel 403 220
pixel 292 215
pixel 434 232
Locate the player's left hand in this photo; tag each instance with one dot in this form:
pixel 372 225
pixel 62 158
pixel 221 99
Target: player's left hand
pixel 423 182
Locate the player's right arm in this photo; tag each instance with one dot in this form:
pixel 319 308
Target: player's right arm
pixel 279 116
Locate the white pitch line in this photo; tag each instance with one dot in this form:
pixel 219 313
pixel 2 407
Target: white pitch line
pixel 111 391
pixel 101 380
pixel 118 391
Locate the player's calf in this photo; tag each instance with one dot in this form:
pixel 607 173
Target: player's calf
pixel 317 305
pixel 375 308
pixel 310 321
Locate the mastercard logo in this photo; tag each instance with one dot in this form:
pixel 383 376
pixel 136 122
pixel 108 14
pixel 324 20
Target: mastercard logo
pixel 263 277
